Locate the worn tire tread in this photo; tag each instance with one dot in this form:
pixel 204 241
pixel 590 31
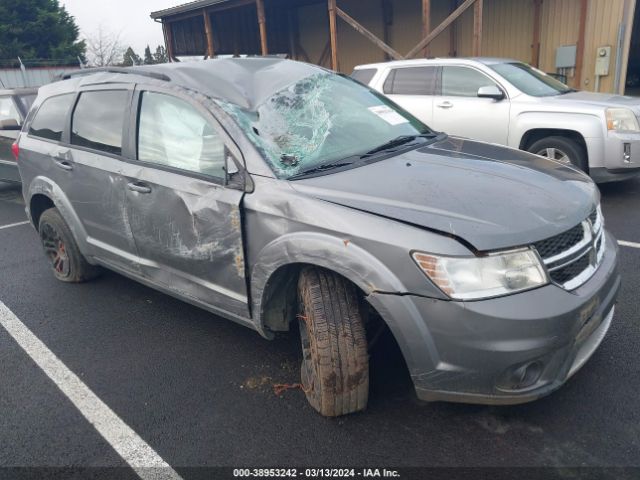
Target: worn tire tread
pixel 339 344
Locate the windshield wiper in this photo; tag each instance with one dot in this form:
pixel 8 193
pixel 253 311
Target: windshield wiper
pixel 321 168
pixel 571 90
pixel 397 142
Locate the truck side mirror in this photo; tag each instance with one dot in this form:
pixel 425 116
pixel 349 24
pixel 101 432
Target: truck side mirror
pixel 491 91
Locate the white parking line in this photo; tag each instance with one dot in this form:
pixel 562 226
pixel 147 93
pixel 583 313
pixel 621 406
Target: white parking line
pixel 26 222
pixel 629 244
pixel 133 449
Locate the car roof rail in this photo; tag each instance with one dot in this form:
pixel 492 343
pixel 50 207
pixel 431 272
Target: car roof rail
pixel 122 70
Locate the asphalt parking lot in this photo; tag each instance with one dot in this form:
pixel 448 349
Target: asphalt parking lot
pixel 199 389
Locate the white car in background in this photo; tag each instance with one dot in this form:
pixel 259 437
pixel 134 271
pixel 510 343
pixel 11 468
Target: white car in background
pixel 511 103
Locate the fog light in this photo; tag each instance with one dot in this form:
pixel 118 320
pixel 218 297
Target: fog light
pixel 521 377
pixel 627 153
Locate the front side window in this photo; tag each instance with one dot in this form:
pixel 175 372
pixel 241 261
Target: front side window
pixel 322 119
pixel 8 111
pixel 463 81
pixel 98 120
pixel 531 80
pixel 51 117
pixel 173 133
pixel 412 81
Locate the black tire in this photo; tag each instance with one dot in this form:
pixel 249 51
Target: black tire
pixel 67 263
pixel 574 151
pixel 335 362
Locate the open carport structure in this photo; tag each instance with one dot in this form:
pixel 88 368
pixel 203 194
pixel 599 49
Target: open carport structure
pixel 564 37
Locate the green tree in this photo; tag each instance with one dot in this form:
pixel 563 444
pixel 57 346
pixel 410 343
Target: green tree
pixel 38 29
pixel 160 56
pixel 131 58
pixel 148 58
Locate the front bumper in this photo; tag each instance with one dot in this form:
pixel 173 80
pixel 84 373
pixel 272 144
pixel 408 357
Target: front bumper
pixel 621 159
pixel 505 350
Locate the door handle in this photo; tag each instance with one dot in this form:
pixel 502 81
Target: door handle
pixel 63 164
pixel 139 187
pixel 446 104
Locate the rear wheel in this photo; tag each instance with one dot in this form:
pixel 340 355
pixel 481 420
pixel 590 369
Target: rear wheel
pixel 67 263
pixel 563 150
pixel 335 362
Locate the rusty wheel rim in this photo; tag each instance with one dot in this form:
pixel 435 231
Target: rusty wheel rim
pixel 55 250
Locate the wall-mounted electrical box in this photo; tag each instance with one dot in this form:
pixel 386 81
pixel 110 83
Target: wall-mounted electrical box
pixel 566 56
pixel 603 60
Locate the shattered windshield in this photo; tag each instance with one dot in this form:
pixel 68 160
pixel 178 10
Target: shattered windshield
pixel 320 120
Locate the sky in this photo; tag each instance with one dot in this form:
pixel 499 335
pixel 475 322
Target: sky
pixel 129 18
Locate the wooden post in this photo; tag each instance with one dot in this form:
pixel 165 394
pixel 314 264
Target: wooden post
pixel 263 27
pixel 426 23
pixel 453 32
pixel 370 36
pixel 535 47
pixel 477 28
pixel 169 32
pixel 439 29
pixel 333 34
pixel 584 6
pixel 209 32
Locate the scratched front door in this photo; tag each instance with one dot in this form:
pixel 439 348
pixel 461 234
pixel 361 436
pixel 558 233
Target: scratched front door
pixel 189 238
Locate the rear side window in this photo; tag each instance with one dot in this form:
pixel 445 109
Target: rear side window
pixel 463 81
pixel 363 75
pixel 98 119
pixel 412 81
pixel 8 110
pixel 51 117
pixel 171 132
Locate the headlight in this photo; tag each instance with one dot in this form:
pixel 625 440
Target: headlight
pixel 622 119
pixel 469 278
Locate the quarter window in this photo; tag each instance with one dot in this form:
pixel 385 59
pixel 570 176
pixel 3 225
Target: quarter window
pixel 171 132
pixel 363 75
pixel 51 117
pixel 98 120
pixel 8 110
pixel 463 81
pixel 412 81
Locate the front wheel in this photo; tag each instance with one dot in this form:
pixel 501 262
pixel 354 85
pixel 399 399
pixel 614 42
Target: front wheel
pixel 563 150
pixel 335 362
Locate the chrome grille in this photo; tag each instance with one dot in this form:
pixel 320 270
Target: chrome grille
pixel 560 243
pixel 572 257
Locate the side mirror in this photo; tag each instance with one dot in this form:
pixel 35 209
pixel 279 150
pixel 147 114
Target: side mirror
pixel 491 91
pixel 9 124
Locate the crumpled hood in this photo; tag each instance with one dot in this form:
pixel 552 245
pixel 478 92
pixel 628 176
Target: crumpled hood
pixel 490 196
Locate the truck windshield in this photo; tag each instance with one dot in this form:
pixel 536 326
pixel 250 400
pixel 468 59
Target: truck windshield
pixel 530 80
pixel 321 120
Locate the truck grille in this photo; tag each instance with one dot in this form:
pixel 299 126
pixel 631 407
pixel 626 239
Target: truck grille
pixel 572 257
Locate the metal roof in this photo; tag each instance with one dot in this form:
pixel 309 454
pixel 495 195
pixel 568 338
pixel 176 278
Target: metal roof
pixel 185 7
pixel 246 82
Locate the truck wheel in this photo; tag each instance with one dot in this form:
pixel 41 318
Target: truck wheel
pixel 67 262
pixel 563 150
pixel 335 363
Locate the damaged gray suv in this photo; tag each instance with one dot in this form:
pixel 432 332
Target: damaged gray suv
pixel 276 193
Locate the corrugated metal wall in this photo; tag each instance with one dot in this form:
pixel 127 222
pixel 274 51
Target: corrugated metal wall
pixel 31 77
